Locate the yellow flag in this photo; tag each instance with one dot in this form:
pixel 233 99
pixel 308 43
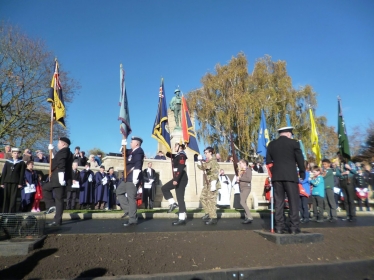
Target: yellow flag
pixel 314 139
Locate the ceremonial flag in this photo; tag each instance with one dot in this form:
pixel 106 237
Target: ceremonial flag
pixel 314 139
pixel 56 98
pixel 124 114
pixel 189 135
pixel 263 136
pixel 160 129
pixel 342 134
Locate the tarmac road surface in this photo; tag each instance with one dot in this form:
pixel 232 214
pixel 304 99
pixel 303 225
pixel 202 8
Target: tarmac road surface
pixel 92 226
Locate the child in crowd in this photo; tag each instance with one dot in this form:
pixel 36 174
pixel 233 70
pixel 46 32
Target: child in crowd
pixel 318 193
pixel 328 177
pixel 304 187
pixel 38 195
pixel 362 189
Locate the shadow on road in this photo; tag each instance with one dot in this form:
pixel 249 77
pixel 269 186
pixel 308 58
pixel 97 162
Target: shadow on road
pixel 22 269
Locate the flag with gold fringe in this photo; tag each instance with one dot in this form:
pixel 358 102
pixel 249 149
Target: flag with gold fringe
pixel 188 132
pixel 314 138
pixel 160 129
pixel 56 98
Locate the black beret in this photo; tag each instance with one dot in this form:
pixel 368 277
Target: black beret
pixel 66 140
pixel 137 139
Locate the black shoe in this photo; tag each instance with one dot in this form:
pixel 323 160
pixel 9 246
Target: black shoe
pixel 205 217
pixel 125 215
pixel 50 210
pixel 129 224
pixel 53 224
pixel 172 207
pixel 296 231
pixel 179 223
pixel 304 221
pixel 280 231
pixel 333 220
pixel 211 222
pixel 247 221
pixel 353 219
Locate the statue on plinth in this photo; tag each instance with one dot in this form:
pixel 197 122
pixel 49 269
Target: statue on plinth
pixel 175 106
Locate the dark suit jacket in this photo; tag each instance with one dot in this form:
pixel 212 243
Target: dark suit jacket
pixel 258 169
pixel 62 162
pixel 147 177
pixel 134 160
pixel 285 153
pixel 76 176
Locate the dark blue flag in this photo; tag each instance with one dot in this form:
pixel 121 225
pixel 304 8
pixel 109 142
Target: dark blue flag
pixel 160 129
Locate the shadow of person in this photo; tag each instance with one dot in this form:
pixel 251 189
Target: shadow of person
pixel 22 269
pixel 91 273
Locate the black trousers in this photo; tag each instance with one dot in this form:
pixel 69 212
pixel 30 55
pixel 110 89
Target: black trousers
pixel 148 198
pixel 180 189
pixel 317 202
pixel 293 194
pixel 10 197
pixel 58 194
pixel 304 209
pixel 349 194
pixel 71 197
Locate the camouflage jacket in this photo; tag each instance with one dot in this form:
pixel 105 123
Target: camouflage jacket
pixel 211 168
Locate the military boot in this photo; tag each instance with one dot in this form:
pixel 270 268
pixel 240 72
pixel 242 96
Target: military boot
pixel 179 223
pixel 211 222
pixel 205 217
pixel 172 207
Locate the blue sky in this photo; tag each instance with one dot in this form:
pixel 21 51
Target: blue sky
pixel 327 44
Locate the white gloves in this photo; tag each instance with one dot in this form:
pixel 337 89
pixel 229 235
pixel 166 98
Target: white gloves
pixel 213 186
pixel 124 142
pixel 199 158
pixel 61 178
pixel 90 178
pixel 50 147
pixel 135 176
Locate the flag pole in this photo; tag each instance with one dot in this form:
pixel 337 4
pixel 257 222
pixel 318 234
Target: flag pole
pixel 50 142
pixel 124 161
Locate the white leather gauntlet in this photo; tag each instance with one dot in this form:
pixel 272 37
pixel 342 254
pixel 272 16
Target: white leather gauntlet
pixel 61 178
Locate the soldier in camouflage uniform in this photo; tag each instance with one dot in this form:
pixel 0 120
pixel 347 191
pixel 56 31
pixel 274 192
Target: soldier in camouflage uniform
pixel 211 185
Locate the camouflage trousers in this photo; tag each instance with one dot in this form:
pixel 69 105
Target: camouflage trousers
pixel 208 200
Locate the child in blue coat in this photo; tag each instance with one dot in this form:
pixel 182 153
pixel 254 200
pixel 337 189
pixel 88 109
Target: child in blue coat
pixel 318 194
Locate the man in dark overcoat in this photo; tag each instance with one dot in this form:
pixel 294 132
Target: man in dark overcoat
pixel 149 186
pixel 285 156
pixel 61 174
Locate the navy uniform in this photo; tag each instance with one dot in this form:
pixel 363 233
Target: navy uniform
pixel 179 183
pixel 285 153
pixel 11 180
pixel 61 173
pixel 127 190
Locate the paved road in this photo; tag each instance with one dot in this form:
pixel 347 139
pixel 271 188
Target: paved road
pixel 164 225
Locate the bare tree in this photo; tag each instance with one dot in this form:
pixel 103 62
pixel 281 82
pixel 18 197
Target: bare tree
pixel 26 70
